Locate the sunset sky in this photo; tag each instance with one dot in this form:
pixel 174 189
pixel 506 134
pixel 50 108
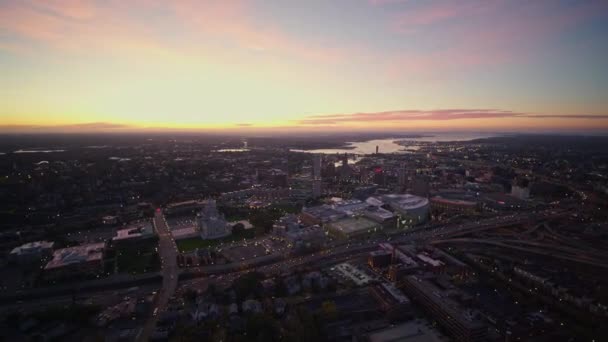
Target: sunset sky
pixel 412 65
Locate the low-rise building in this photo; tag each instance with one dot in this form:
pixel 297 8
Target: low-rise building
pixel 134 235
pixel 413 331
pixel 353 227
pixel 31 252
pixel 458 320
pixel 320 215
pixel 378 214
pixel 411 209
pixel 76 261
pixel 287 223
pixel 379 259
pixel 305 238
pixel 442 203
pixel 186 207
pixel 389 296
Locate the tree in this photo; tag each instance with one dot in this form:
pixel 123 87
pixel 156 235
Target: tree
pixel 262 327
pixel 329 309
pixel 248 285
pixel 238 229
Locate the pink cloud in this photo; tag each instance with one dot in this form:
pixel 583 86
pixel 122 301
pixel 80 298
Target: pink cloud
pixel 386 2
pixel 472 34
pixel 232 20
pixel 81 25
pixel 432 115
pixel 73 9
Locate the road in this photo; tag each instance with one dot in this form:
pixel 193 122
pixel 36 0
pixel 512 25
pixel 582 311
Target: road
pixel 426 234
pixel 167 250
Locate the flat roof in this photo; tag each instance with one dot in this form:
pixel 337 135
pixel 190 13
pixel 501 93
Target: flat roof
pixel 395 293
pixel 323 211
pixel 134 231
pixel 429 260
pixel 383 252
pixel 353 224
pixel 413 331
pixel 378 212
pixel 439 297
pixel 185 203
pixel 32 247
pixel 184 233
pixel 439 199
pixel 78 254
pixel 353 273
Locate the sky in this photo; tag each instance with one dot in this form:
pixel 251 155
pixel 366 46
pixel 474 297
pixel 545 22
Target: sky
pixel 303 65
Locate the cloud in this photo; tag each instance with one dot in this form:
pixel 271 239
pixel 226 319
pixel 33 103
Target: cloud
pixel 386 2
pixel 71 128
pixel 244 125
pixel 432 115
pixel 233 21
pixel 82 25
pixel 470 34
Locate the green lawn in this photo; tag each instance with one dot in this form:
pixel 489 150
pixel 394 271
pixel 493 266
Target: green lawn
pixel 136 263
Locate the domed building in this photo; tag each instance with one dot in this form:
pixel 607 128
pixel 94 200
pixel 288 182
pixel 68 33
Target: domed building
pixel 411 209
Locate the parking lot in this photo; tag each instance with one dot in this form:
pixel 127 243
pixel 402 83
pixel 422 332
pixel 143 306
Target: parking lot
pixel 241 253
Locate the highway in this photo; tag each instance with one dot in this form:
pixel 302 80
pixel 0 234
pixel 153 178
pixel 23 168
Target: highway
pixel 350 248
pixel 540 251
pixel 167 250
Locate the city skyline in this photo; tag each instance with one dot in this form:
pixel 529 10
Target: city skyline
pixel 255 66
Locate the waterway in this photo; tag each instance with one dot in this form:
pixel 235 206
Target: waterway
pixel 389 145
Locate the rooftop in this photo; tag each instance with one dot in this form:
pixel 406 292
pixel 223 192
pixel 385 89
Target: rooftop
pixel 184 203
pixel 453 201
pixel 378 212
pixel 433 262
pixel 439 297
pixel 32 247
pixel 354 224
pixel 405 201
pixel 135 231
pixel 77 254
pixel 324 212
pixel 413 331
pixel 401 201
pixel 353 273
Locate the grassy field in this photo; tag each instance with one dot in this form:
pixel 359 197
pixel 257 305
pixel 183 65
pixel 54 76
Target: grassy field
pixel 134 263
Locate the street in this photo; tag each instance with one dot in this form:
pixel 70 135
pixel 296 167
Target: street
pixel 168 254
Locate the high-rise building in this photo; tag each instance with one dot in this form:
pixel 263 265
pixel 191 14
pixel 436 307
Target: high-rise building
pixel 402 175
pixel 316 176
pixel 316 166
pixel 420 186
pixel 317 189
